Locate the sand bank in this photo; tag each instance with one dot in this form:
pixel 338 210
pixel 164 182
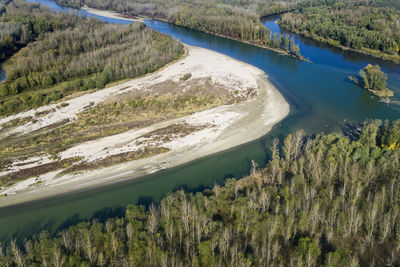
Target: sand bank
pixel 111 14
pixel 224 127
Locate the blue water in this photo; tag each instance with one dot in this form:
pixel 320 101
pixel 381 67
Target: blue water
pixel 58 8
pixel 321 99
pixel 2 75
pixel 325 54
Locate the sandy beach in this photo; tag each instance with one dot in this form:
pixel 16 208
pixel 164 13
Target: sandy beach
pixel 110 14
pixel 222 128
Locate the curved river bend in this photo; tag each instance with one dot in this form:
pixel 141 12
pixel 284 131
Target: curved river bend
pixel 321 100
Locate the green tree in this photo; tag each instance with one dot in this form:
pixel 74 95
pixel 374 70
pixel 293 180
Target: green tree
pixel 90 84
pixel 308 250
pixel 373 77
pixel 205 253
pixel 4 89
pixel 47 80
pixel 338 258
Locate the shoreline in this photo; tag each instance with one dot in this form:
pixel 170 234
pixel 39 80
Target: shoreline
pixel 244 122
pixel 344 48
pixel 113 14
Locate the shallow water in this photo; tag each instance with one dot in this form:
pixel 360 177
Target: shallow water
pixel 321 98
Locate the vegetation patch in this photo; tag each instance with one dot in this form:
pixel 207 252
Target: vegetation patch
pixel 173 131
pixel 23 174
pixel 15 123
pixel 186 76
pixel 116 159
pixel 150 145
pixel 133 109
pixel 374 80
pixel 44 112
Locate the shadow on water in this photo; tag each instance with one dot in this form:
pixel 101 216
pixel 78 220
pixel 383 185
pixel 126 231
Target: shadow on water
pixel 30 230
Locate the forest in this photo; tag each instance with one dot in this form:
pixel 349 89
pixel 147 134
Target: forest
pixel 59 54
pixel 373 30
pixel 329 200
pixel 372 27
pixel 234 19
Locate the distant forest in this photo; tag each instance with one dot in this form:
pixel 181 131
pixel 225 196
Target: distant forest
pixel 375 30
pixel 369 26
pixel 322 201
pixel 50 55
pixel 235 19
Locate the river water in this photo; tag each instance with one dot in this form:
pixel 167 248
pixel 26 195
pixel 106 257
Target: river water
pixel 321 99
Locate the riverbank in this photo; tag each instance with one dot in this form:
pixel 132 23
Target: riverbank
pixel 365 51
pixel 217 129
pixel 112 14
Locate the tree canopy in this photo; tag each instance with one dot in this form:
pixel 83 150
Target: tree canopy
pixel 373 30
pixel 373 77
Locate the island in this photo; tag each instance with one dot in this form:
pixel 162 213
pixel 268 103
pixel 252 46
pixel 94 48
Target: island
pixel 374 80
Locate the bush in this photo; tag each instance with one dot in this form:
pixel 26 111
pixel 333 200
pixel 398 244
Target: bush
pixel 186 77
pixel 4 89
pixel 47 81
pixel 90 84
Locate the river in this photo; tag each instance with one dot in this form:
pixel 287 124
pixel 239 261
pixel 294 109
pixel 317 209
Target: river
pixel 321 98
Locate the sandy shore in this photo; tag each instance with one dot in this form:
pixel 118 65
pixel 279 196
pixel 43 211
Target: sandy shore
pixel 109 14
pixel 227 126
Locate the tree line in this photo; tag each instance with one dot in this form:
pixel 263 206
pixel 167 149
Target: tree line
pixel 64 53
pixel 323 201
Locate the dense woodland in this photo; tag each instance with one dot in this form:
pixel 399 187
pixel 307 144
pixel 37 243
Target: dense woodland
pixel 64 54
pixel 367 28
pixel 327 200
pixel 370 26
pixel 21 23
pixel 235 19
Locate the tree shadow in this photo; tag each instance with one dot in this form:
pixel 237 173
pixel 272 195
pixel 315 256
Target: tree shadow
pixel 29 231
pixel 351 130
pixel 191 189
pixel 145 201
pixel 72 220
pixel 107 212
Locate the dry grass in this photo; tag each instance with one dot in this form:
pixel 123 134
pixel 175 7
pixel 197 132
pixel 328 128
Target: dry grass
pixel 134 109
pixel 115 159
pixel 129 110
pixel 23 174
pixel 14 123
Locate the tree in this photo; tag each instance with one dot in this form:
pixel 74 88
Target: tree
pixel 4 89
pixel 308 250
pixel 47 80
pixel 373 78
pixel 338 258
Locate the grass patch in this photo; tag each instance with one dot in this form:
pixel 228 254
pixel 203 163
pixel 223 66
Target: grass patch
pixel 116 159
pixel 7 180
